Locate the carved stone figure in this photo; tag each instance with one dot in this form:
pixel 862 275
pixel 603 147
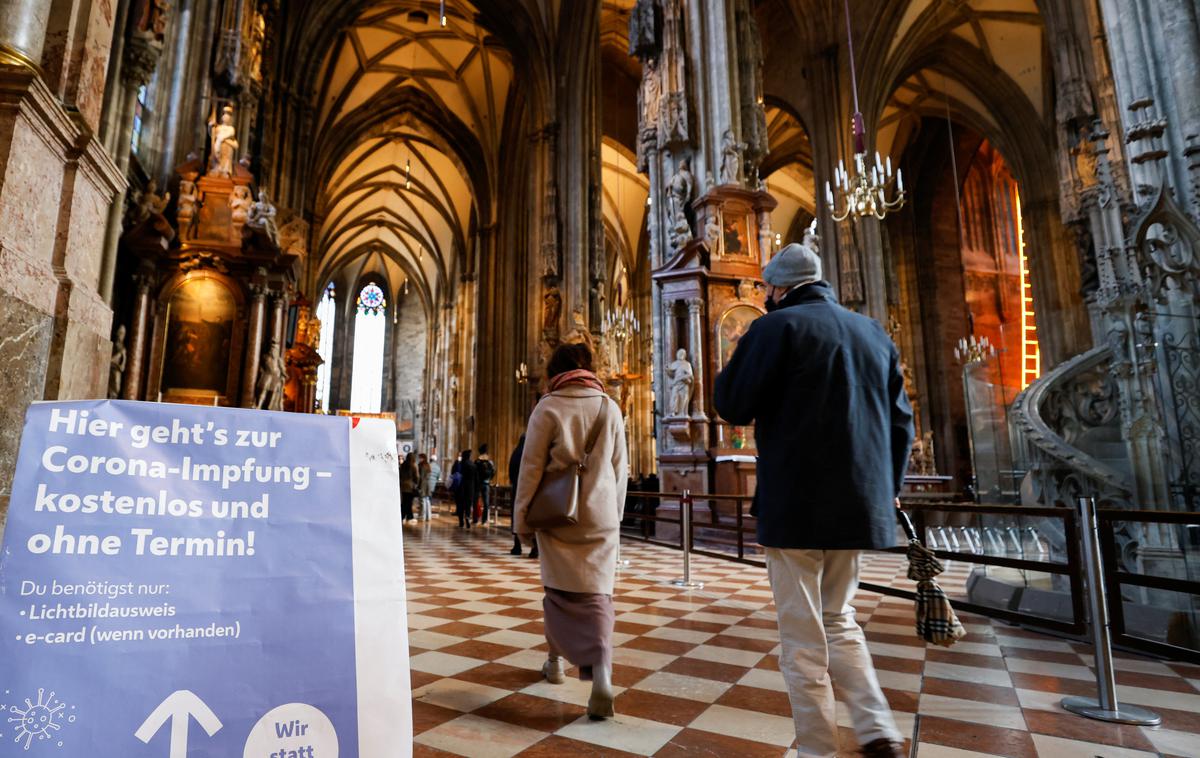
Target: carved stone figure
pixel 551 311
pixel 731 158
pixel 680 191
pixel 673 118
pixel 650 95
pixel 116 364
pixel 812 240
pixel 712 230
pixel 262 215
pixel 151 203
pixel 224 145
pixel 293 236
pixel 272 375
pixel 923 462
pixel 644 29
pixel 185 206
pixel 682 377
pixel 240 202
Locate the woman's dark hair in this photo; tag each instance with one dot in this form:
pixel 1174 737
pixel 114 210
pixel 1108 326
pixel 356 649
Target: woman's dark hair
pixel 568 357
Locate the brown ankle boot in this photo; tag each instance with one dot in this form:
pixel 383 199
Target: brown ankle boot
pixel 883 748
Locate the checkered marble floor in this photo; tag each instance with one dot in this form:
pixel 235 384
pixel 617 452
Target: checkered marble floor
pixel 697 671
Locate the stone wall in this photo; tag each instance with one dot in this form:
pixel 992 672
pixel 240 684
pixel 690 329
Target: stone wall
pixel 55 187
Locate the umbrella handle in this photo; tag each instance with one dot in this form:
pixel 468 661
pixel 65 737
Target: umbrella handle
pixel 909 530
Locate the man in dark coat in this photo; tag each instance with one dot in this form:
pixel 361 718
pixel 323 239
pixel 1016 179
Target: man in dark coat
pixel 464 495
pixel 823 387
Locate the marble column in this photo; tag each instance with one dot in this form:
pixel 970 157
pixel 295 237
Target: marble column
pixel 254 343
pixel 23 31
pixel 695 308
pixel 138 334
pixel 141 58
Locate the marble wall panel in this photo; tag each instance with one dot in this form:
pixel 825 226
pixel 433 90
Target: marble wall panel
pixel 30 190
pixel 75 57
pixel 25 333
pixel 84 234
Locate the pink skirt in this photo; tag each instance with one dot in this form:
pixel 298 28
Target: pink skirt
pixel 579 625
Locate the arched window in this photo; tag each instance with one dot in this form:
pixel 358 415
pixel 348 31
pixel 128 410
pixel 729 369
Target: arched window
pixel 326 313
pixel 370 324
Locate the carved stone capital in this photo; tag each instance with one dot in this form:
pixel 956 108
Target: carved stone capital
pixel 141 58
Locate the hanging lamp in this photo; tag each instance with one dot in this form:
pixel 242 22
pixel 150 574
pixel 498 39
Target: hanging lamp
pixel 865 192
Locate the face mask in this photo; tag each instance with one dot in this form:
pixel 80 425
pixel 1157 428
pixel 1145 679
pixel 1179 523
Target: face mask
pixel 772 305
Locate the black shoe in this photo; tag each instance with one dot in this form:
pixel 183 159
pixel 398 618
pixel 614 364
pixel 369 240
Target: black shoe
pixel 515 551
pixel 533 553
pixel 883 748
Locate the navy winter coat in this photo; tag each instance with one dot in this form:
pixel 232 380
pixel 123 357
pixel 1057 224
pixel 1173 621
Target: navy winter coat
pixel 823 386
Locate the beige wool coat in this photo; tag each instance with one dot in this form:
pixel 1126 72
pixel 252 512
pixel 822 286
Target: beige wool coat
pixel 583 557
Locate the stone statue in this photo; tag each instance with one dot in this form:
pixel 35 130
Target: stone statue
pixel 551 310
pixel 731 158
pixel 644 29
pixel 681 189
pixel 272 375
pixel 151 203
pixel 241 201
pixel 682 377
pixel 712 230
pixel 185 206
pixel 262 215
pixel 224 145
pixel 293 236
pixel 116 365
pixel 922 460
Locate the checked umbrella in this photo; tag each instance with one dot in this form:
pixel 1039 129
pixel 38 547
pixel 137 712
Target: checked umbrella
pixel 936 620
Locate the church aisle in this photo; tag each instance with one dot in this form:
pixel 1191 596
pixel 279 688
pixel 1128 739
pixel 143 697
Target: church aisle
pixel 697 673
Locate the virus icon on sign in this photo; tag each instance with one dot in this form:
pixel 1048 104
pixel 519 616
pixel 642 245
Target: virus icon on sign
pixel 39 720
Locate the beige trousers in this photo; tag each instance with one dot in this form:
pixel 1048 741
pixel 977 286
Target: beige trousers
pixel 823 646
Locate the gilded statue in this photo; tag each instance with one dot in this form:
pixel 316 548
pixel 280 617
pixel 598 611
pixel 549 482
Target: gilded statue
pixel 683 378
pixel 224 145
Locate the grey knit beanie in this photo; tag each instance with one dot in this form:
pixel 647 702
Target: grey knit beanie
pixel 792 266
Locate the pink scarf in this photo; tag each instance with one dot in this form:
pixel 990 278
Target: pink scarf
pixel 577 376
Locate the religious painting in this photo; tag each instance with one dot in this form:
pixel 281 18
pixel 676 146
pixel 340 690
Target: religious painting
pixel 731 327
pixel 735 234
pixel 199 335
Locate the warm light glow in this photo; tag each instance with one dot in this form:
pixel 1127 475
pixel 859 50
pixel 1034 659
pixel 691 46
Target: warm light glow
pixel 1031 357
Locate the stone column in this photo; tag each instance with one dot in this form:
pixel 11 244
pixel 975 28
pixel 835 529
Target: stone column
pixel 23 31
pixel 278 317
pixel 1182 32
pixel 138 333
pixel 254 343
pixel 141 58
pixel 696 337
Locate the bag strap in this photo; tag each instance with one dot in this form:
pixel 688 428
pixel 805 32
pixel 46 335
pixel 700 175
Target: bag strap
pixel 594 432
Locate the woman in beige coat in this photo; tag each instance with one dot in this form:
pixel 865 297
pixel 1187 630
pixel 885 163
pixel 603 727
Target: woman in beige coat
pixel 578 562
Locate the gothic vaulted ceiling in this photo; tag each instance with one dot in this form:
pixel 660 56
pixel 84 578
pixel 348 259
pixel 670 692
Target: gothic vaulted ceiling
pixel 407 180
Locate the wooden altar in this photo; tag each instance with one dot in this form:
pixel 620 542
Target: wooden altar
pixel 212 320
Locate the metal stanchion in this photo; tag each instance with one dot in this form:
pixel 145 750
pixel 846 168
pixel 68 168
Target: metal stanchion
pixel 685 511
pixel 1105 707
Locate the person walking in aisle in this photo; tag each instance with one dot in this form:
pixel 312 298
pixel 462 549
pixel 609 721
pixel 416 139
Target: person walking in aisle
pixel 464 494
pixel 578 562
pixel 409 480
pixel 485 471
pixel 514 476
pixel 428 473
pixel 833 424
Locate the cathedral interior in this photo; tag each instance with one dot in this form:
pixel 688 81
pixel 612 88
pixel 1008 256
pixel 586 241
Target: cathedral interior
pixel 401 207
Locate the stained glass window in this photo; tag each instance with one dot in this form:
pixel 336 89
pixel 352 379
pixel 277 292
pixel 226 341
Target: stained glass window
pixel 370 329
pixel 326 314
pixel 371 300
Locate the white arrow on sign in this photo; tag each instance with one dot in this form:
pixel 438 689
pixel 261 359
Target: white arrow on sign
pixel 179 708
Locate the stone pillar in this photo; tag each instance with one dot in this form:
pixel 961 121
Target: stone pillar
pixel 278 317
pixel 138 333
pixel 141 58
pixel 696 336
pixel 1182 32
pixel 254 343
pixel 23 31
